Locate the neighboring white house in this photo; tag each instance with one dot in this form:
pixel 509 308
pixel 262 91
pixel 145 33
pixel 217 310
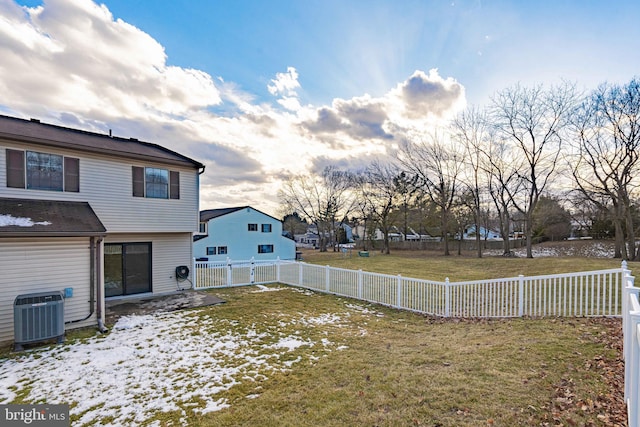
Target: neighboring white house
pixel 92 215
pixel 311 238
pixel 395 235
pixel 241 233
pixel 485 233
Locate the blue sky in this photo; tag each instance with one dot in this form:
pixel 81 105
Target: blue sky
pixel 262 90
pixel 348 48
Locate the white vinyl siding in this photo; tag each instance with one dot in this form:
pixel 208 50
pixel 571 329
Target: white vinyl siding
pixel 233 232
pixel 105 182
pixel 168 251
pixel 40 265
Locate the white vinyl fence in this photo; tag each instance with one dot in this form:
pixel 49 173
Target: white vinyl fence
pixel 591 293
pixel 631 347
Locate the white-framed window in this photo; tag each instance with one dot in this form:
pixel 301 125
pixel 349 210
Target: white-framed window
pixel 265 249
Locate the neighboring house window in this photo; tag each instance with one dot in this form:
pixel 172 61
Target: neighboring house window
pixel 155 183
pixel 222 250
pixel 211 250
pixel 253 227
pixel 203 227
pixel 266 228
pixel 265 249
pixel 42 171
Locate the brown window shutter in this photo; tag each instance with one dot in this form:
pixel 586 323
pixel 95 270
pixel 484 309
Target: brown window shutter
pixel 15 168
pixel 174 185
pixel 137 173
pixel 71 174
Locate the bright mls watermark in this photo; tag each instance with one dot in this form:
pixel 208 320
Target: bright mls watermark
pixel 35 415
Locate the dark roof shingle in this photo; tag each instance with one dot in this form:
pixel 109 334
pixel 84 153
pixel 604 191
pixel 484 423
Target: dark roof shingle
pixel 214 213
pixel 32 131
pixel 27 217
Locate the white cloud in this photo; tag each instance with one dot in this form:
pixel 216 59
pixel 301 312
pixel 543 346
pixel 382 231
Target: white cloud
pixel 285 83
pixel 98 66
pixel 102 73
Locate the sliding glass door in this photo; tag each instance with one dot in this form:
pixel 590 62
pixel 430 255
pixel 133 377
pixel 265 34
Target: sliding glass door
pixel 127 268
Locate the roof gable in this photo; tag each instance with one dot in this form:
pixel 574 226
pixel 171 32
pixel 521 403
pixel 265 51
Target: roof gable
pixel 209 214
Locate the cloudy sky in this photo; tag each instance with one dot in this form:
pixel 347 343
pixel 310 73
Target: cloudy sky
pixel 262 90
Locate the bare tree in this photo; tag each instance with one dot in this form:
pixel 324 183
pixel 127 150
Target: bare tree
pixel 606 162
pixel 503 168
pixel 533 120
pixel 407 190
pixel 378 188
pixel 321 200
pixel 471 129
pixel 437 166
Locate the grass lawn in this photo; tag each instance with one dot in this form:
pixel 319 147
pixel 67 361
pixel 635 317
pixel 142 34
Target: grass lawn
pixel 297 358
pixel 435 266
pixel 394 368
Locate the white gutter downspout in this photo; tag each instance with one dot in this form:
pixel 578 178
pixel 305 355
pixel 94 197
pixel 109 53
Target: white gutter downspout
pixel 100 285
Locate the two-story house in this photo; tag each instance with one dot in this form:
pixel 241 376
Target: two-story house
pixel 92 215
pixel 241 233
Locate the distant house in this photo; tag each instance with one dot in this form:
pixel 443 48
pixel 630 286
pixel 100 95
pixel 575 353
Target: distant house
pixel 395 235
pixel 241 233
pixel 92 215
pixel 312 238
pixel 485 233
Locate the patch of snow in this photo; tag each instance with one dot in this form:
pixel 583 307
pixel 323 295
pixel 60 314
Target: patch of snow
pixel 291 343
pixel 303 291
pixel 8 220
pixel 364 310
pixel 263 288
pixel 149 364
pixel 291 362
pixel 213 406
pixel 130 322
pixel 323 319
pixel 587 249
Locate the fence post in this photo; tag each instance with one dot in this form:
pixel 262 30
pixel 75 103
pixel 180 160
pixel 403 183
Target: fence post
pixel 326 278
pixel 632 372
pixel 447 298
pixel 229 272
pixel 360 284
pixel 252 271
pixel 194 276
pixel 520 295
pixel 627 290
pixel 399 292
pixel 278 270
pixel 300 271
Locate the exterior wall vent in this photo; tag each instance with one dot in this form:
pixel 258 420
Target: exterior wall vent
pixel 38 317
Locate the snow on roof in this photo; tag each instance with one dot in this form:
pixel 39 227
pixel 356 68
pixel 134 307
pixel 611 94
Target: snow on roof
pixel 154 363
pixel 8 220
